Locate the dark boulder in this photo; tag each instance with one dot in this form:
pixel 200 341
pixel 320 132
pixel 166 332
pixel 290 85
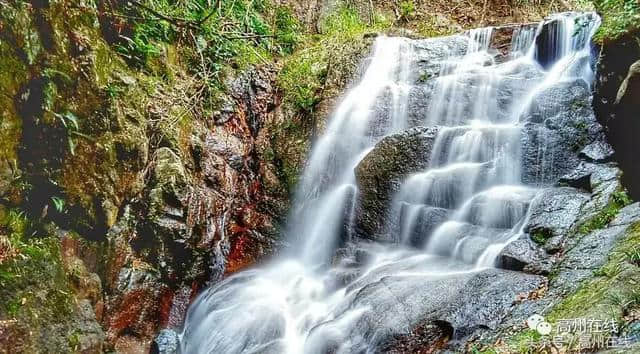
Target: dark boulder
pixel 380 174
pixel 524 255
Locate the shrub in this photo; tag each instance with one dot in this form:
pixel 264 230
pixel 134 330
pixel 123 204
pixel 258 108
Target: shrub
pixel 618 18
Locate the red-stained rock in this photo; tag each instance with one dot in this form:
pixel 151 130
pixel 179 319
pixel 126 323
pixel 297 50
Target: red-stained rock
pixel 134 309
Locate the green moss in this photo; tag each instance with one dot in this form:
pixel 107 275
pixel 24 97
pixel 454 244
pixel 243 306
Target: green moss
pixel 480 350
pixel 524 341
pixel 13 73
pixel 619 200
pixel 619 17
pixel 33 286
pixel 612 292
pixel 541 236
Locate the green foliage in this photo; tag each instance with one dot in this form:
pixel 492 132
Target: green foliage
pixel 33 286
pixel 304 73
pixel 70 122
pixel 407 9
pixel 633 255
pixel 301 78
pixel 522 342
pixel 345 23
pixel 478 350
pixel 74 340
pixel 288 30
pixel 619 200
pixel 234 34
pixel 58 204
pixel 619 17
pixel 113 90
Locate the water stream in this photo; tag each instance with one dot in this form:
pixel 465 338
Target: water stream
pixel 451 220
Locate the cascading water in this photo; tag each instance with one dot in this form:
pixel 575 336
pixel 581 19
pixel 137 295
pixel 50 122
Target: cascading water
pixel 312 301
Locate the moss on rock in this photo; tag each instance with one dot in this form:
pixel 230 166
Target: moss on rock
pixel 38 305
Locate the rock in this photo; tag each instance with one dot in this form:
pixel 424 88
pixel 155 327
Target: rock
pixel 580 177
pixel 588 255
pixel 551 148
pixel 553 212
pixel 431 336
pixel 88 335
pixel 627 215
pixel 135 305
pixel 463 302
pixel 557 98
pixel 426 222
pixel 524 255
pixel 381 172
pixel 166 342
pixel 604 182
pixel 546 41
pixel 598 150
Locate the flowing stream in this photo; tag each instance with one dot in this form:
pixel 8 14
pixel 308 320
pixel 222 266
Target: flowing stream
pixel 451 220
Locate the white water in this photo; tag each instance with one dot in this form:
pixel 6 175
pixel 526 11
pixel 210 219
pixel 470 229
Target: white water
pixel 305 301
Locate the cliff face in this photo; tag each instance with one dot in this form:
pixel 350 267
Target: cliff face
pixel 616 102
pixel 164 193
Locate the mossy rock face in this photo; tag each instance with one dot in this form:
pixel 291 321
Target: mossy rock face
pixel 46 300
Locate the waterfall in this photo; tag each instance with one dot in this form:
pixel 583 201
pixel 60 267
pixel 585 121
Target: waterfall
pixel 313 300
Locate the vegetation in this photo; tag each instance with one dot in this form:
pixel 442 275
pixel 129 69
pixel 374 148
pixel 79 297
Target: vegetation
pixel 227 35
pixel 612 294
pixel 541 236
pixel 619 17
pixel 619 200
pixel 305 72
pixel 34 289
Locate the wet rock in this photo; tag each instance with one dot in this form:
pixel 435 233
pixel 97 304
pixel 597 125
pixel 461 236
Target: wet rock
pixel 89 337
pixel 466 302
pixel 605 183
pixel 589 254
pixel 426 222
pixel 426 337
pixel 524 255
pixel 166 342
pixel 135 306
pixel 430 53
pixel 552 148
pixel 381 172
pixel 546 41
pixel 557 98
pixel 553 212
pixel 598 150
pixel 580 177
